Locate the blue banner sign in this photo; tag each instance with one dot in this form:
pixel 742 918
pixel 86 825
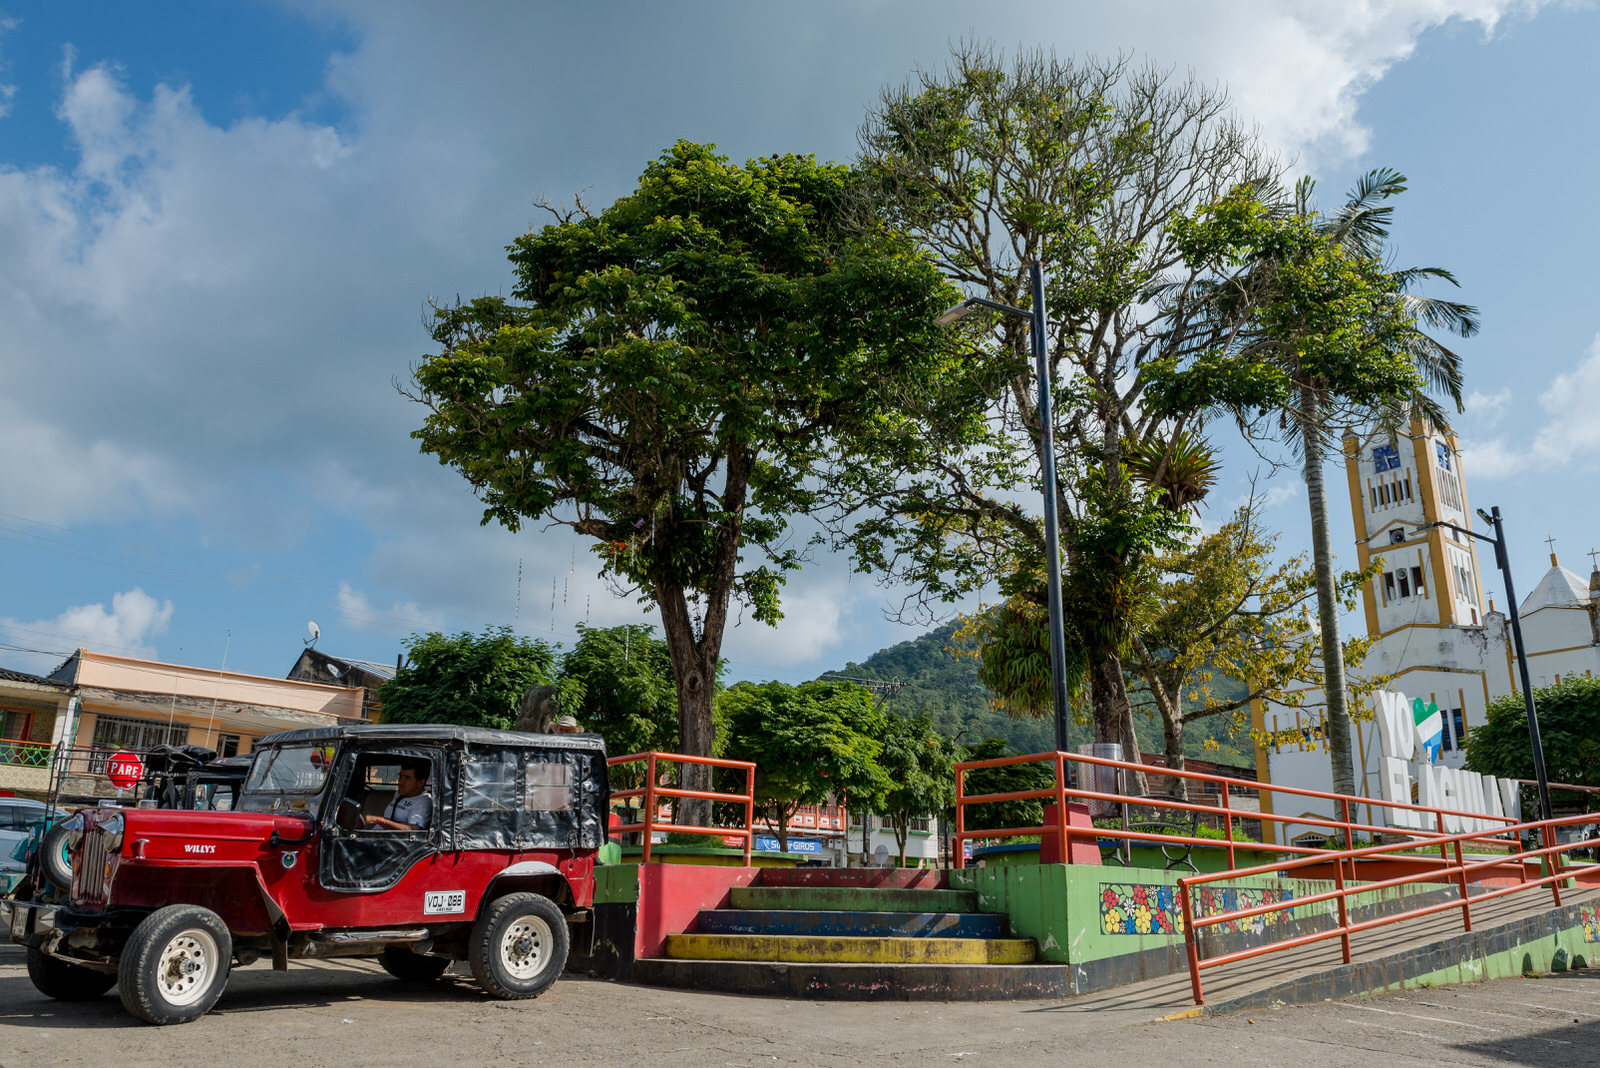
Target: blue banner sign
pixel 769 843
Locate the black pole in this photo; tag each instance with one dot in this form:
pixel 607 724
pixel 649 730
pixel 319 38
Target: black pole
pixel 1503 561
pixel 1052 532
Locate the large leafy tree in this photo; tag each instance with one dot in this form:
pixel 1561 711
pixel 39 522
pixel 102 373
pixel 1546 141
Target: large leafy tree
pixel 475 680
pixel 1569 727
pixel 919 763
pixel 1225 607
pixel 666 374
pixel 1294 323
pixel 807 742
pixel 624 677
pixel 992 164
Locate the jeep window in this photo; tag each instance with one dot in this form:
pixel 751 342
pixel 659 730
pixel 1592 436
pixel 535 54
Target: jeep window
pixel 287 779
pixel 549 787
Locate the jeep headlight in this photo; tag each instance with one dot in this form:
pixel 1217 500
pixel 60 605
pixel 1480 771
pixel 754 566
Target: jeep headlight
pixel 112 830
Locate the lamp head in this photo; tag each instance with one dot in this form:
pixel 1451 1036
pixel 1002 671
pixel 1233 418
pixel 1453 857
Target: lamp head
pixel 956 314
pixel 1485 516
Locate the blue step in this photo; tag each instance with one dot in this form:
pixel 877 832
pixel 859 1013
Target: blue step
pixel 848 924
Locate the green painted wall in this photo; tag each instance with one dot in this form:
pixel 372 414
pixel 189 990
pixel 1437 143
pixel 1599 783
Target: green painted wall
pixel 616 884
pixel 1065 908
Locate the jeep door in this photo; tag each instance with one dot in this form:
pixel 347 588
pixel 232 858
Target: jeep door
pixel 356 858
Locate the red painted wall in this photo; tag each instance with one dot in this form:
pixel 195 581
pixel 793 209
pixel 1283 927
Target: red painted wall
pixel 672 895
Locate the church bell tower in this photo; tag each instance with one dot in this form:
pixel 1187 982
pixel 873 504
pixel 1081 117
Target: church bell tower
pixel 1428 575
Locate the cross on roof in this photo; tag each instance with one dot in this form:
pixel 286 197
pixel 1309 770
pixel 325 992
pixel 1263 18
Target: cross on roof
pixel 1552 543
pixel 1592 554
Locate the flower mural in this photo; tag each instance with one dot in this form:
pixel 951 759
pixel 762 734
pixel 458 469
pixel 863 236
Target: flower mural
pixel 1141 909
pixel 1591 923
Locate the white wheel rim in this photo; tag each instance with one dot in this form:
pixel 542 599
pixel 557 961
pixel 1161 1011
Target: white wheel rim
pixel 524 946
pixel 185 968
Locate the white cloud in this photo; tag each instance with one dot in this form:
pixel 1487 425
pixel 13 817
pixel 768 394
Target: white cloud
pixel 362 612
pixel 1282 493
pixel 1489 459
pixel 135 616
pixel 202 321
pixel 1485 409
pixel 1572 430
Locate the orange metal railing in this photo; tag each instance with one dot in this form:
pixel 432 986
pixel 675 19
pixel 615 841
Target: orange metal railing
pixel 1060 793
pixel 1457 870
pixel 653 791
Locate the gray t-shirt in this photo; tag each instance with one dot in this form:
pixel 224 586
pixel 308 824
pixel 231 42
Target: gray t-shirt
pixel 416 811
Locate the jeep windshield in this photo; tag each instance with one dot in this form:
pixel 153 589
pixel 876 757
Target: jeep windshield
pixel 287 779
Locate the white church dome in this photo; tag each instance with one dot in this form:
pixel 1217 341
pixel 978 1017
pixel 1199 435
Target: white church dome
pixel 1558 587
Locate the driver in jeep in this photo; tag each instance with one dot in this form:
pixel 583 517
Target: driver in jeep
pixel 411 808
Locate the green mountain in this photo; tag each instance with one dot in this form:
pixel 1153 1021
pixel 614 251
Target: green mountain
pixel 938 679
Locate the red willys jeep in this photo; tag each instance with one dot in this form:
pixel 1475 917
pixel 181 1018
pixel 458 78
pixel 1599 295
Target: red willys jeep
pixel 163 903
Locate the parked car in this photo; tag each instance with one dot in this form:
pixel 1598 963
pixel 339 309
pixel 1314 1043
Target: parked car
pixel 163 902
pixel 17 815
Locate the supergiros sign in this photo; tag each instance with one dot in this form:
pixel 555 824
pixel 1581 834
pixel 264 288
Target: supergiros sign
pixel 1409 732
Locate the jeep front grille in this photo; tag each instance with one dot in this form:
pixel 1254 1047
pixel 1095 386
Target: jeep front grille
pixel 90 871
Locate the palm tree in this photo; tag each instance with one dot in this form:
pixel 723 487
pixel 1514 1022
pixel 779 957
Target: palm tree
pixel 1360 228
pixel 1299 329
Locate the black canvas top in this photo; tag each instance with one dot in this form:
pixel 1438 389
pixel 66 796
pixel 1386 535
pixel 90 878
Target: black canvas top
pixel 436 732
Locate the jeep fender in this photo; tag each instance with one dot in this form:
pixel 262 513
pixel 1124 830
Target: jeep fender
pixel 536 876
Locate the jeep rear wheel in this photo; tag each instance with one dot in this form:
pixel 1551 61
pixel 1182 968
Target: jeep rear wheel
pixel 518 946
pixel 175 964
pixel 409 967
pixel 65 981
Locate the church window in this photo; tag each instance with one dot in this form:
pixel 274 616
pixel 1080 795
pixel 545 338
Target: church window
pixel 1455 729
pixel 1385 458
pixel 1405 590
pixel 1416 580
pixel 1374 491
pixel 1408 487
pixel 1388 584
pixel 1443 452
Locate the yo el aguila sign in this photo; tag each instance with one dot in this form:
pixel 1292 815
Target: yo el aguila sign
pixel 1410 730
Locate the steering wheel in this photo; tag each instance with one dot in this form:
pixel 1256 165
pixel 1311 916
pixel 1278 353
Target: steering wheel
pixel 348 815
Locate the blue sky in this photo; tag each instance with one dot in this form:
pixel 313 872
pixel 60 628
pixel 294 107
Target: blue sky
pixel 221 224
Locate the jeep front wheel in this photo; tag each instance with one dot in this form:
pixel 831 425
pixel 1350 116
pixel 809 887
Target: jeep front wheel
pixel 518 946
pixel 409 967
pixel 175 964
pixel 64 981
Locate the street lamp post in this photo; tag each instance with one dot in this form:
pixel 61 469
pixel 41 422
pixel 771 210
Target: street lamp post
pixel 1502 560
pixel 1047 459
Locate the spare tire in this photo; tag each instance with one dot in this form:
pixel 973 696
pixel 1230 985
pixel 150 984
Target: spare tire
pixel 55 854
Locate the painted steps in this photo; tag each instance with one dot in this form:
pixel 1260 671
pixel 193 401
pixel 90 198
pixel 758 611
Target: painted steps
pixel 843 924
pixel 860 982
pixel 873 878
pixel 859 934
pixel 799 949
pixel 850 899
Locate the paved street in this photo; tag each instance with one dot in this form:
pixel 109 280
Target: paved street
pixel 351 1014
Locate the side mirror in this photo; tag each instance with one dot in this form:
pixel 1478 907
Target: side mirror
pixel 348 815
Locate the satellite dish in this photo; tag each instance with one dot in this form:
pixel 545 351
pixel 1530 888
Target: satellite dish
pixel 314 630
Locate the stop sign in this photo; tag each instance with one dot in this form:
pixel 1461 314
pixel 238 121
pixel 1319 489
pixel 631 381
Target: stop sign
pixel 124 769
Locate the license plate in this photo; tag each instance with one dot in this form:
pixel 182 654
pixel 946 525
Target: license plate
pixel 443 902
pixel 19 921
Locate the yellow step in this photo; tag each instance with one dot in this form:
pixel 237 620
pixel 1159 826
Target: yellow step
pixel 803 948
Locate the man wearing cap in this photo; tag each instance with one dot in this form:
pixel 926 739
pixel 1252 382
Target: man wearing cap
pixel 567 725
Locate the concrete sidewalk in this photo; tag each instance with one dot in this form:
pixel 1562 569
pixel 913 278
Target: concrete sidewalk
pixel 349 1014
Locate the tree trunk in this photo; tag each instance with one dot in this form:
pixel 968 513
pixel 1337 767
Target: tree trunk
pixel 1171 717
pixel 902 832
pixel 694 667
pixel 1172 731
pixel 1336 722
pixel 1113 715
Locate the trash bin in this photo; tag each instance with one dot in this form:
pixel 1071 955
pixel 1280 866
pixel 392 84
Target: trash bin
pixel 1099 778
